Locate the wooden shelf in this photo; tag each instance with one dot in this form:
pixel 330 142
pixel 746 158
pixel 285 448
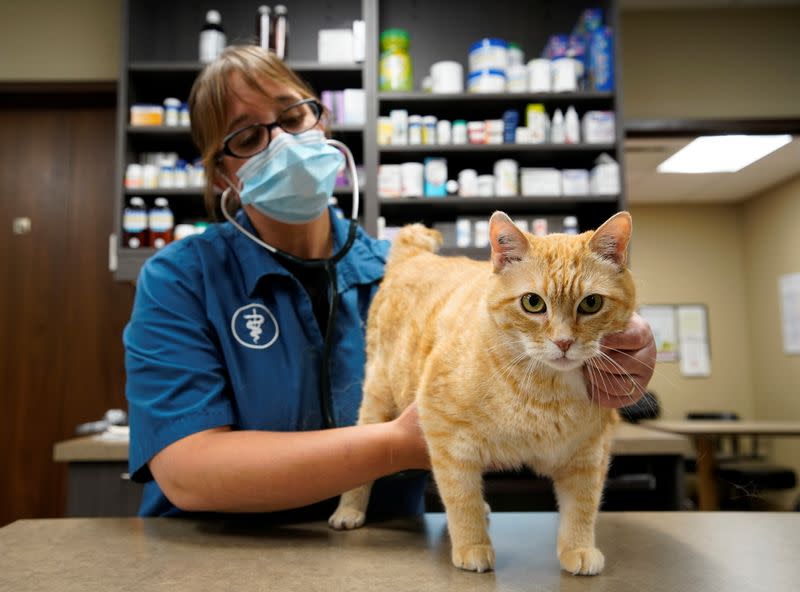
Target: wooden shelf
pixel 191 66
pixel 479 253
pixel 159 130
pixel 164 191
pixel 404 206
pixel 489 148
pixel 423 97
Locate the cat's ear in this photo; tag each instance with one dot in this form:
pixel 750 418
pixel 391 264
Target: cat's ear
pixel 610 241
pixel 509 244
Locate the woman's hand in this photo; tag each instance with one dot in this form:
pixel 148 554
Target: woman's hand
pixel 622 379
pixel 411 442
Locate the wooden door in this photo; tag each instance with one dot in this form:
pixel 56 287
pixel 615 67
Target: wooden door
pixel 61 313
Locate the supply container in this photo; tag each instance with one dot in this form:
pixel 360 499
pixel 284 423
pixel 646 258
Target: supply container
pixel 517 79
pixel 160 223
pixel 599 127
pixel 415 129
pixel 601 60
pixel 447 77
pixel 435 177
pixel 390 180
pixel 488 54
pixel 412 179
pixel 468 183
pixel 538 182
pixel 540 226
pixel 212 38
pixel 429 129
pixel 481 239
pixel 384 130
pixel 515 56
pixel 443 132
pixel 536 122
pixel 463 232
pixel 182 231
pixel 572 127
pixel 459 131
pixel 476 132
pixel 565 75
pixel 570 225
pixel 263 28
pixel 395 63
pixel 494 131
pixel 280 31
pixel 510 124
pixel 539 75
pixel 506 172
pixel 146 114
pixel 574 182
pixel 399 118
pixel 134 178
pixel 487 81
pixel 185 119
pixel 180 176
pixel 134 224
pixel 172 108
pixel 149 176
pixel 486 185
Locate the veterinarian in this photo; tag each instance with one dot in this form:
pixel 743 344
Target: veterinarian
pixel 238 352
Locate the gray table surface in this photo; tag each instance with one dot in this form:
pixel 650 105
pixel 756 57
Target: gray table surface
pixel 645 552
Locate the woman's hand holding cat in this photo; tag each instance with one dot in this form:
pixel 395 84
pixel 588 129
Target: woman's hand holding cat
pixel 412 443
pixel 620 374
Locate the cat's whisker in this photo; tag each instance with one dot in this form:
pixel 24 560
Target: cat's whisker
pixel 625 373
pixel 655 368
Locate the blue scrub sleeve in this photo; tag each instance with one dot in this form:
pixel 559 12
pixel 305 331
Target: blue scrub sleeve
pixel 176 379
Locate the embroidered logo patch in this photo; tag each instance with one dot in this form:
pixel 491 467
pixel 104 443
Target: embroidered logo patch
pixel 254 326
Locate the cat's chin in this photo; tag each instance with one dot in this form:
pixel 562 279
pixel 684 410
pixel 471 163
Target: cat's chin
pixel 564 364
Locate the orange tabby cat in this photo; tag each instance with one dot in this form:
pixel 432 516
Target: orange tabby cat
pixel 493 352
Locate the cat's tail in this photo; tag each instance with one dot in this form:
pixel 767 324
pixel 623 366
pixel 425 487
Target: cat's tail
pixel 414 239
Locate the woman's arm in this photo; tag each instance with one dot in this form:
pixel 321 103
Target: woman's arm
pixel 222 470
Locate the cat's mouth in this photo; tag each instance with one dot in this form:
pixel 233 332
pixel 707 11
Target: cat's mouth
pixel 564 363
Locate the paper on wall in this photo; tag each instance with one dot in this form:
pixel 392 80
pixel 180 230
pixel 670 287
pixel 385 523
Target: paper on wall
pixel 662 321
pixel 790 312
pixel 695 357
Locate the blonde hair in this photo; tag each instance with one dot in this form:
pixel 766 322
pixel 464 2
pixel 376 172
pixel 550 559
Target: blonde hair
pixel 211 95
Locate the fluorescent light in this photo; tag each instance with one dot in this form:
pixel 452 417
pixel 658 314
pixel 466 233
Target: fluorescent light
pixel 722 154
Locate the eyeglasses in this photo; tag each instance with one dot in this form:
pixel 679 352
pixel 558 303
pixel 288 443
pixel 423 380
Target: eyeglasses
pixel 294 119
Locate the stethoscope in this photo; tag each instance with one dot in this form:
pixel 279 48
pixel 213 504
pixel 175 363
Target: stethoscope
pixel 325 396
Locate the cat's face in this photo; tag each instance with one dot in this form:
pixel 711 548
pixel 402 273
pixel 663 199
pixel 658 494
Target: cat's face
pixel 555 297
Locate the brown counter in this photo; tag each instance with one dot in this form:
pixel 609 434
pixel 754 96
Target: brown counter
pixel 645 552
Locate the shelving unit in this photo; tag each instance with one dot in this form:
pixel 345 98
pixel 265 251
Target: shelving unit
pixel 159 50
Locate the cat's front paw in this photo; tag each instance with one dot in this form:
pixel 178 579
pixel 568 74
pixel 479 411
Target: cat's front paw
pixel 346 518
pixel 478 558
pixel 583 561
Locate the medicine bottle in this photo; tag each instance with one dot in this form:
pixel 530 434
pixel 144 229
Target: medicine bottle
pixel 160 223
pixel 212 37
pixel 395 64
pixel 280 31
pixel 134 224
pixel 263 28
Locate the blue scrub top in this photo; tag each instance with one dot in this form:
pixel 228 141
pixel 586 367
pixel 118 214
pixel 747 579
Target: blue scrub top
pixel 221 334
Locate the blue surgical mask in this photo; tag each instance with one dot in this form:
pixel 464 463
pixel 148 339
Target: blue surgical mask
pixel 293 179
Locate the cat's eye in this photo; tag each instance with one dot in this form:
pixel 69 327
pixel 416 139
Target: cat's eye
pixel 591 304
pixel 533 303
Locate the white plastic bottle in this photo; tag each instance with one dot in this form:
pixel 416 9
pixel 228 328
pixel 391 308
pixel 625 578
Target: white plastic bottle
pixel 212 37
pixel 557 131
pixel 572 127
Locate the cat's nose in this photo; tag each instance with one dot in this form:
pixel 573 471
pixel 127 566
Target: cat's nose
pixel 564 344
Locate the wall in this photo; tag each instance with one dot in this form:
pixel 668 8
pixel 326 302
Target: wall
pixel 49 40
pixel 711 63
pixel 695 255
pixel 772 248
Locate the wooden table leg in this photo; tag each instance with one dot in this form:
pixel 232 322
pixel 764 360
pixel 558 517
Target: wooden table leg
pixel 706 479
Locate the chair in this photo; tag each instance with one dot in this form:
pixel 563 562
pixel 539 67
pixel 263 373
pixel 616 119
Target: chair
pixel 648 407
pixel 742 474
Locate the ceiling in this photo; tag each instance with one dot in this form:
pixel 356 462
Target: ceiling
pixel 684 4
pixel 646 185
